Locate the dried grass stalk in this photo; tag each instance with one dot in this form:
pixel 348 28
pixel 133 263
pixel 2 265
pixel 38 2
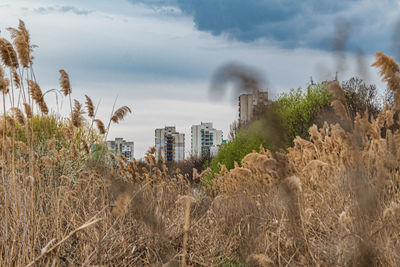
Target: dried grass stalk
pixel 28 111
pixel 37 95
pixel 389 70
pixel 8 54
pixel 77 118
pixel 4 82
pixel 19 115
pixel 100 126
pixel 64 82
pixel 120 114
pixel 21 40
pixel 16 79
pixel 89 106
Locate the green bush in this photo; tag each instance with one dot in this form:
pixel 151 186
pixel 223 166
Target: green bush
pixel 246 141
pixel 290 116
pixel 299 110
pixel 47 127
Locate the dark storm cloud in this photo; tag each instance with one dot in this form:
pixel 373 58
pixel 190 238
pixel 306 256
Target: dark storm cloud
pixel 293 23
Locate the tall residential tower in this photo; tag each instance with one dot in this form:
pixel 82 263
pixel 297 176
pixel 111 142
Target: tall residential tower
pixel 249 103
pixel 170 145
pixel 204 136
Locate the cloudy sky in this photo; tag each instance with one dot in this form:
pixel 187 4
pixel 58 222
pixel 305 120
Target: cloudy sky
pixel 158 56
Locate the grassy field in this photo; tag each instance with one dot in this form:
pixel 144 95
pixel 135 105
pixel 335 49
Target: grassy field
pixel 330 200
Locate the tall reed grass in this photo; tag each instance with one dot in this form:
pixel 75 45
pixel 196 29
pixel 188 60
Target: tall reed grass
pixel 330 200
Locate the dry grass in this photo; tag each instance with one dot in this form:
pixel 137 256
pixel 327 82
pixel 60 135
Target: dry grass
pixel 332 200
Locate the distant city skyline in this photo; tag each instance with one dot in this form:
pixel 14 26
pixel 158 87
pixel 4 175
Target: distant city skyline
pixel 159 57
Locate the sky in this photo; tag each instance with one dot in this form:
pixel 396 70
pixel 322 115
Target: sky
pixel 159 56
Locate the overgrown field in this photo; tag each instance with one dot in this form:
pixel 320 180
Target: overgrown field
pixel 330 200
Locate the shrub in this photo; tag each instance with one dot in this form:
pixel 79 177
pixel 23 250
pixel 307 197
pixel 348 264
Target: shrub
pixel 299 109
pixel 246 140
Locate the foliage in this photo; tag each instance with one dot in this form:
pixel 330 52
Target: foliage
pixel 45 127
pixel 299 109
pixel 246 140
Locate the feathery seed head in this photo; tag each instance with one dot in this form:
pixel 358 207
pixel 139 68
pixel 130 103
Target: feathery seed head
pixel 4 82
pixel 121 204
pixel 389 70
pixel 90 106
pixel 19 115
pixel 28 111
pixel 100 126
pixel 8 54
pixel 77 112
pixel 21 40
pixel 16 79
pixel 64 82
pixel 120 114
pixel 37 95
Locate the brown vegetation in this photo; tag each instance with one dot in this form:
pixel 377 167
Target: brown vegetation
pixel 333 200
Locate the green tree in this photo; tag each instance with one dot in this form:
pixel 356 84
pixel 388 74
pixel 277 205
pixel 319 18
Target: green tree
pixel 246 140
pixel 299 110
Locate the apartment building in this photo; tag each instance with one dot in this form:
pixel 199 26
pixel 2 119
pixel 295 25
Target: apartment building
pixel 170 144
pixel 248 104
pixel 203 137
pixel 121 147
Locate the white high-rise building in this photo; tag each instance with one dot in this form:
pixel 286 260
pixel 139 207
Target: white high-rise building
pixel 121 147
pixel 204 136
pixel 248 103
pixel 170 145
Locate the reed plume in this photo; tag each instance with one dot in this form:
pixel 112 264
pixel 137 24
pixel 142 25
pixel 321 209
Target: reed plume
pixel 389 70
pixel 28 111
pixel 43 107
pixel 120 114
pixel 85 146
pixel 100 126
pixel 36 91
pixel 19 115
pixel 89 106
pixel 322 202
pixel 37 95
pixel 74 151
pixel 8 54
pixel 64 82
pixel 21 40
pixel 4 82
pixel 77 112
pixel 121 204
pixel 10 122
pixel 16 79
